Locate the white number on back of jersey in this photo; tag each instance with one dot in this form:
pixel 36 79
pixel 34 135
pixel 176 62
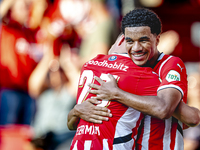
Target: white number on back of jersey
pixel 88 77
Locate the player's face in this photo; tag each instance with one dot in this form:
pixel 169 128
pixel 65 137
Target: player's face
pixel 141 45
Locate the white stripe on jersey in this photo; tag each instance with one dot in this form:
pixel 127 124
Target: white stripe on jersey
pixel 145 139
pixel 163 64
pixel 124 146
pixel 167 134
pixel 127 122
pixel 105 144
pixel 171 86
pixel 179 144
pixel 124 127
pixel 87 144
pixel 75 146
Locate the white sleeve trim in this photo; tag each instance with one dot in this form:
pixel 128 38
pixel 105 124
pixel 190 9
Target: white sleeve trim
pixel 163 64
pixel 171 86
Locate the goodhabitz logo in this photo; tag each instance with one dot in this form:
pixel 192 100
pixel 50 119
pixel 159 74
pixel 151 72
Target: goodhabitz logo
pixel 109 64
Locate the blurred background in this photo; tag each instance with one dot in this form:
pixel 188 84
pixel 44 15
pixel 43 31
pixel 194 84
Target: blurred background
pixel 44 43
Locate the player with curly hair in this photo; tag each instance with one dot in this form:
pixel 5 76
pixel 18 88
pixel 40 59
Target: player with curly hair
pixel 160 128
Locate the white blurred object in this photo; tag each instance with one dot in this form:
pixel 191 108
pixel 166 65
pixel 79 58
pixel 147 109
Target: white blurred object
pixel 74 11
pixel 192 82
pixel 195 33
pixel 57 27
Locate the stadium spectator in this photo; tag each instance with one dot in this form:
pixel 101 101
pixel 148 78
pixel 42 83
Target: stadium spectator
pixel 56 79
pixel 97 31
pixel 16 64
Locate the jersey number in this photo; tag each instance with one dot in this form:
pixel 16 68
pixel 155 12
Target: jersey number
pixel 88 77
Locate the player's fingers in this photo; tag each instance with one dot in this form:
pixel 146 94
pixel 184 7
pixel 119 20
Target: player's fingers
pixel 93 92
pixel 103 114
pixel 95 121
pixel 97 118
pixel 99 79
pixel 94 86
pixel 102 111
pixel 93 100
pixel 111 77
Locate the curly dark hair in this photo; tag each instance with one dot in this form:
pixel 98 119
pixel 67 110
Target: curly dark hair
pixel 142 17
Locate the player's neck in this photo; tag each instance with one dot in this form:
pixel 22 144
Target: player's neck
pixel 152 63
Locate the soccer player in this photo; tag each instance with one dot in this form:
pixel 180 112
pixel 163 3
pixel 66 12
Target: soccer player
pixel 142 29
pixel 121 130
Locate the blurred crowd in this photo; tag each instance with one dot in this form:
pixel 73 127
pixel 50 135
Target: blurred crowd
pixel 43 44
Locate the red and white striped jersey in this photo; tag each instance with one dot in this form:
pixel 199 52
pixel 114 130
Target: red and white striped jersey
pixel 121 130
pixel 156 134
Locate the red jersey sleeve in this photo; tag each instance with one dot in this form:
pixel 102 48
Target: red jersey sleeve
pixel 173 75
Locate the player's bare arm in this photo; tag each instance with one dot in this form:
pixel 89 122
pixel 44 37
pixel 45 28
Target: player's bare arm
pixel 158 106
pixel 188 115
pixel 72 120
pixel 88 112
pixel 161 106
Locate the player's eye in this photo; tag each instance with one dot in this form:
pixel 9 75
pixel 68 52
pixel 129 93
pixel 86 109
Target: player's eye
pixel 129 41
pixel 144 39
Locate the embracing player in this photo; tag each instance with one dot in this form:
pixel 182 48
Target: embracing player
pixel 121 129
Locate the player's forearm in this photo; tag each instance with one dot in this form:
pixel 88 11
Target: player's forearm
pixel 150 105
pixel 73 120
pixel 38 76
pixel 186 114
pixel 37 79
pixel 5 6
pixel 161 106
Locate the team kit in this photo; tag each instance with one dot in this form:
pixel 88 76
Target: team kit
pixel 128 124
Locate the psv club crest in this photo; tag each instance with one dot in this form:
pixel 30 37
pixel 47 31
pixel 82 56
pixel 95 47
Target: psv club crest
pixel 112 58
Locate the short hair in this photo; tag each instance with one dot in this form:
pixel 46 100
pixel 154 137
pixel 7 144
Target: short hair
pixel 142 17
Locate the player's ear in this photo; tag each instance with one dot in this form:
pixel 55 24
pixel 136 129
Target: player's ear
pixel 157 39
pixel 121 39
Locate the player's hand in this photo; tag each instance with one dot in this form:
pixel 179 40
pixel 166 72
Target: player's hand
pixel 106 90
pixel 89 112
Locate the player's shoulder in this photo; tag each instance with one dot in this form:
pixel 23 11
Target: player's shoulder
pixel 175 62
pixel 169 59
pixel 171 64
